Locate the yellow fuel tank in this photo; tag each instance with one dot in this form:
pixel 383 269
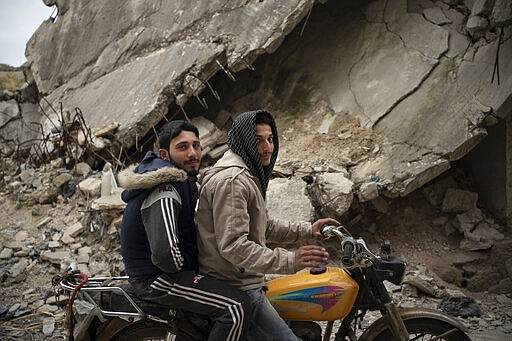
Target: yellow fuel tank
pixel 313 297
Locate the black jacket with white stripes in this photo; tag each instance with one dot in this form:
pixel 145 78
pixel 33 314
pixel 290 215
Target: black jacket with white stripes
pixel 158 233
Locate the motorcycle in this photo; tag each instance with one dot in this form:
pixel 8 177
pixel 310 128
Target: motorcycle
pixel 105 308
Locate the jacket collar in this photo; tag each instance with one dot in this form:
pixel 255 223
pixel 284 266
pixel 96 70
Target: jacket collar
pixel 128 179
pixel 229 160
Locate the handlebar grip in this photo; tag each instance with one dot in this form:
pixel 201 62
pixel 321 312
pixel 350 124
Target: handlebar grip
pixel 348 248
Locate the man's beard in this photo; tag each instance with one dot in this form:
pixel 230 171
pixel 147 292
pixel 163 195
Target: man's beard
pixel 192 172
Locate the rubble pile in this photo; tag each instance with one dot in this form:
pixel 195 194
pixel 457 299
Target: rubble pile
pixel 58 219
pixel 480 238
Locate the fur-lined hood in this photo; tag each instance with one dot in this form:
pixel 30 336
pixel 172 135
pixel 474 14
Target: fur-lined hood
pixel 129 179
pixel 150 172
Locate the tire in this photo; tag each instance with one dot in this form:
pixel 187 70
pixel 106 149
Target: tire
pixel 143 331
pixel 423 328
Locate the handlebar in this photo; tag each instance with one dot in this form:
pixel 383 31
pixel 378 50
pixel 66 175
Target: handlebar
pixel 347 242
pixel 348 249
pixel 329 231
pixel 355 252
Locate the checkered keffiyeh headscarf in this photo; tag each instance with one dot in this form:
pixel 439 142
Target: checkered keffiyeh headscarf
pixel 243 142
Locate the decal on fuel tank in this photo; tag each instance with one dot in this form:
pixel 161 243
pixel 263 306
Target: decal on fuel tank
pixel 326 296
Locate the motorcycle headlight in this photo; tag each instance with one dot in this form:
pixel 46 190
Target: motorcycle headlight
pixel 391 269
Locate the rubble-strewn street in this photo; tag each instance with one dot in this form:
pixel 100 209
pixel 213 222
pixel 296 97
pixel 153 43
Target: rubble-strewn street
pixel 42 238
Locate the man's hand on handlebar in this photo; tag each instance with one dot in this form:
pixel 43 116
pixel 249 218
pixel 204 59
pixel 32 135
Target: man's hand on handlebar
pixel 316 227
pixel 310 256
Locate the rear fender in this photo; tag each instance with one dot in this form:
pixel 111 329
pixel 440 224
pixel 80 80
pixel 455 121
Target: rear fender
pixel 111 328
pixel 407 314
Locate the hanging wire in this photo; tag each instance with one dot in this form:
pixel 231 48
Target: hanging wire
pixel 496 70
pixel 306 21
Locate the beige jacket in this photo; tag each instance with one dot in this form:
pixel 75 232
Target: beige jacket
pixel 233 228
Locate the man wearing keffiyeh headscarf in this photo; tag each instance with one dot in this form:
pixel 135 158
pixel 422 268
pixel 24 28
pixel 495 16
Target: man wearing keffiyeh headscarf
pixel 234 229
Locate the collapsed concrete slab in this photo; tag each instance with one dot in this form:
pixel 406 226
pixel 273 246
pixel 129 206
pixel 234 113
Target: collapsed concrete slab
pixel 426 88
pixel 128 60
pixel 444 119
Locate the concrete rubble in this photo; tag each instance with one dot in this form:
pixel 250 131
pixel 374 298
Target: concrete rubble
pixel 382 106
pixel 139 64
pixel 459 216
pixel 57 241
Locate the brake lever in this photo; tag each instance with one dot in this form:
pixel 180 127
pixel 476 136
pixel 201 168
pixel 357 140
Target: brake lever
pixel 327 231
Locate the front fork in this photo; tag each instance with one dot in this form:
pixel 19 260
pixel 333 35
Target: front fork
pixel 374 288
pixel 394 317
pixel 396 323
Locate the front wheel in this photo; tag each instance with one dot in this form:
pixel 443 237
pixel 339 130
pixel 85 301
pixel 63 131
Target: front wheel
pixel 424 328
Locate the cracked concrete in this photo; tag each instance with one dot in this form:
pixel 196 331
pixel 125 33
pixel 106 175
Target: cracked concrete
pixel 98 62
pixel 412 71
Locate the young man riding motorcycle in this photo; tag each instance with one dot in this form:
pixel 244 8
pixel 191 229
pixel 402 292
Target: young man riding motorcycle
pixel 233 227
pixel 158 235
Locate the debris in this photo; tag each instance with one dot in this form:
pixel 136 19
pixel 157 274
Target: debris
pixel 460 306
pixel 108 181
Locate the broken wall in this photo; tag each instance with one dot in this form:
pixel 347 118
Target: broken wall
pixel 19 113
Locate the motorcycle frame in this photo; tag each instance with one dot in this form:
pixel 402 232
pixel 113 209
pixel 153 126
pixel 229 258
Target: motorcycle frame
pixel 120 319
